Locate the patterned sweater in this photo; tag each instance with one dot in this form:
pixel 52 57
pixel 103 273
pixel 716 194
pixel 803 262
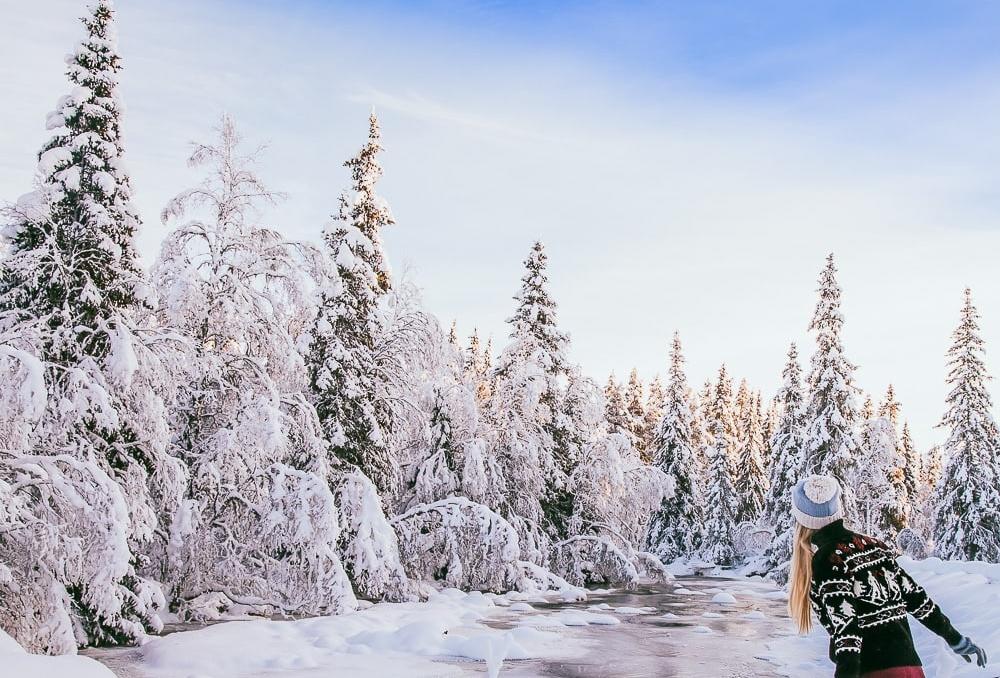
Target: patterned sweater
pixel 862 596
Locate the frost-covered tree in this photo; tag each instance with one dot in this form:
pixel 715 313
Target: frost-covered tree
pixel 653 413
pixel 911 464
pixel 890 407
pixel 438 475
pixel 967 518
pixel 908 461
pixel 72 258
pixel 925 500
pixel 720 495
pixel 787 467
pixel 882 502
pixel 86 450
pixel 344 370
pixel 615 412
pixel 675 530
pixel 742 406
pixel 751 475
pixel 259 524
pixel 772 417
pixel 536 437
pixel 477 366
pixel 635 411
pixel 831 446
pixel 461 544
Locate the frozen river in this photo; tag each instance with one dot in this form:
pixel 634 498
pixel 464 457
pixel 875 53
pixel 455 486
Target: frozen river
pixel 672 630
pixel 723 644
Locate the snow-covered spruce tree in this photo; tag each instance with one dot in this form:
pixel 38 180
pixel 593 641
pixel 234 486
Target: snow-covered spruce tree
pixel 911 465
pixel 906 479
pixel 675 530
pixel 437 476
pixel 751 475
pixel 700 412
pixel 343 366
pixel 635 412
pixel 260 525
pixel 720 495
pixel 890 407
pixel 771 420
pixel 89 466
pixel 742 406
pixel 477 367
pixel 534 434
pixel 831 445
pixel 882 504
pixel 925 501
pixel 786 453
pixel 967 518
pixel 653 410
pixel 615 412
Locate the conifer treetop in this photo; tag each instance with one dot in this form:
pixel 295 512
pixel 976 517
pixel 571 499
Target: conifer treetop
pixel 831 412
pixel 72 240
pixel 535 318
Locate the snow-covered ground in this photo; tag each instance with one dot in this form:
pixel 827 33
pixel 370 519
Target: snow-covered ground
pixel 14 661
pixel 693 627
pixel 969 593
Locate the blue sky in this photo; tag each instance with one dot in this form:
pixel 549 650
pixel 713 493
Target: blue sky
pixel 688 165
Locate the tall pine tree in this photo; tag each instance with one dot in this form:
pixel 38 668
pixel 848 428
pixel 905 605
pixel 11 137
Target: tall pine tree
pixel 534 367
pixel 967 517
pixel 675 530
pixel 720 495
pixel 72 296
pixel 786 452
pixel 635 410
pixel 343 369
pixel 751 475
pixel 831 446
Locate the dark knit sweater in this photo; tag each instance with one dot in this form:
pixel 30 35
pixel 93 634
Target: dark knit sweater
pixel 861 596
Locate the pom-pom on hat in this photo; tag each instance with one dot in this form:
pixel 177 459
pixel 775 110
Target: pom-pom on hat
pixel 816 501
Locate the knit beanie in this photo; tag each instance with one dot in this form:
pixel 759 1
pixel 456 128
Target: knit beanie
pixel 816 502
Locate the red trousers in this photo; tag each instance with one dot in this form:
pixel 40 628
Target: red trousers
pixel 901 672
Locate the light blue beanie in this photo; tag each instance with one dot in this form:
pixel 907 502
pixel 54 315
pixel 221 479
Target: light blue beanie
pixel 816 502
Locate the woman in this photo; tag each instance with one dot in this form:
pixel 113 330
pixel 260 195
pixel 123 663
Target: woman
pixel 859 592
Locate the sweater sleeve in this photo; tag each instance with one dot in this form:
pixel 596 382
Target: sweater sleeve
pixel 925 610
pixel 833 601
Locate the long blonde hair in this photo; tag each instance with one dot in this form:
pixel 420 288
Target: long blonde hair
pixel 800 579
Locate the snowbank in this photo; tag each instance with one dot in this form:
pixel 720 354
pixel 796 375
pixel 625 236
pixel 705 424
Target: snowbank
pixel 969 593
pixel 377 641
pixel 16 662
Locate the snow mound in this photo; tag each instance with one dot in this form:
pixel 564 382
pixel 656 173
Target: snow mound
pixel 635 610
pixel 17 662
pixel 756 615
pixel 724 598
pixel 701 629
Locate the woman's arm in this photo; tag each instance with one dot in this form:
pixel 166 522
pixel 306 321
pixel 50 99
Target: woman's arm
pixel 925 610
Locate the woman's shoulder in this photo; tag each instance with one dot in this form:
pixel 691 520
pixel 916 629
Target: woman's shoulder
pixel 840 556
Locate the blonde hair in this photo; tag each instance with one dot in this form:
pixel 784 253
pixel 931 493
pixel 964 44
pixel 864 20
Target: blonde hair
pixel 800 579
